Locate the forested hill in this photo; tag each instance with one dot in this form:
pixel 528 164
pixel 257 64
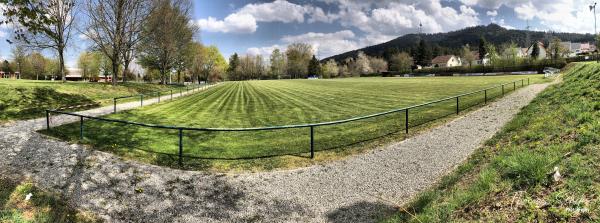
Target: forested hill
pixel 451 42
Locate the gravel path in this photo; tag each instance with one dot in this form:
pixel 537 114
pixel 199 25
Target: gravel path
pixel 350 190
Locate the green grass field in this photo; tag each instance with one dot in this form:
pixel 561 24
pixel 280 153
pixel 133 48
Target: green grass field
pixel 25 99
pixel 510 179
pixel 282 102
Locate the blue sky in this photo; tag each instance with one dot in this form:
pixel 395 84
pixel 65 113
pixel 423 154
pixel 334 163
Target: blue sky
pixel 336 26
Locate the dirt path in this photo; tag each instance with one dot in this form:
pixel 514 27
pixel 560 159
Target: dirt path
pixel 351 190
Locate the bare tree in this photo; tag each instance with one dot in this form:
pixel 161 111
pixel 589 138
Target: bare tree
pixel 52 32
pixel 114 27
pixel 166 34
pixel 19 56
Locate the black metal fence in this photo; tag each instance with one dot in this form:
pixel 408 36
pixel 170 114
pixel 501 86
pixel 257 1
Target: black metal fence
pixel 324 134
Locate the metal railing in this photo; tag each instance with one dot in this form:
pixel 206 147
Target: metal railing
pixel 311 126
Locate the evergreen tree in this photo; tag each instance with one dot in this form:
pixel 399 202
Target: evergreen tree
pixel 482 48
pixel 234 62
pixel 535 51
pixel 314 67
pixel 423 54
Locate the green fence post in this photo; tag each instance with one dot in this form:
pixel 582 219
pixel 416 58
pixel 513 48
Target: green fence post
pixel 158 94
pixel 457 106
pixel 47 120
pixel 485 92
pixel 406 121
pixel 180 147
pixel 141 100
pixel 115 105
pixel 312 142
pixel 503 90
pixel 514 85
pixel 527 81
pixel 81 127
pixel 171 94
pixel 522 82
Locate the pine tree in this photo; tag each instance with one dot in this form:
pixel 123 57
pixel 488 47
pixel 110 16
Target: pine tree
pixel 482 50
pixel 535 51
pixel 234 61
pixel 423 54
pixel 314 67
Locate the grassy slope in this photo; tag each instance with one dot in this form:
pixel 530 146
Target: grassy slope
pixel 24 99
pixel 267 103
pixel 41 207
pixel 508 180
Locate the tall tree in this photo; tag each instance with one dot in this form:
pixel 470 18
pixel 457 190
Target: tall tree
pixel 278 64
pixel 423 54
pixel 113 26
pixel 535 51
pixel 166 33
pixel 378 65
pixel 314 67
pixel 298 55
pixel 208 63
pixel 362 63
pixel 467 55
pixel 234 62
pixel 482 50
pixel 44 25
pixel 556 49
pixel 19 57
pixel 38 63
pixel 330 69
pixel 401 62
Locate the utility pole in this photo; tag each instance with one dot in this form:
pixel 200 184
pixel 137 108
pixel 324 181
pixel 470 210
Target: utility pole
pixel 593 7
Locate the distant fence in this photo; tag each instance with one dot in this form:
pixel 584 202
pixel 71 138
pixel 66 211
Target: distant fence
pixel 159 94
pixel 380 124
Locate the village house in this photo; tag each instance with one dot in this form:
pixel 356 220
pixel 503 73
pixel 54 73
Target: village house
pixel 446 61
pixel 578 48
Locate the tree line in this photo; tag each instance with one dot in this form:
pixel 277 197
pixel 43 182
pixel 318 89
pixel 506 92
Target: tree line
pixel 158 34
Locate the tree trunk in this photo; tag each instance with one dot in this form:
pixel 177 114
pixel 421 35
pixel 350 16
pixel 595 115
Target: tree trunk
pixel 61 61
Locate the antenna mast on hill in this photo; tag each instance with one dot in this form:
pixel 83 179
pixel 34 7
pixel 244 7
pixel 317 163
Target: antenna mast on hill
pixel 527 35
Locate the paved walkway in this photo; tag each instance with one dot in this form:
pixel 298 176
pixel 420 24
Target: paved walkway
pixel 350 190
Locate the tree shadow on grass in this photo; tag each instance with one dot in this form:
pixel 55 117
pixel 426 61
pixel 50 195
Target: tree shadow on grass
pixel 32 102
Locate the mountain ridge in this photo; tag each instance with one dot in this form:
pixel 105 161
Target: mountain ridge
pixel 451 42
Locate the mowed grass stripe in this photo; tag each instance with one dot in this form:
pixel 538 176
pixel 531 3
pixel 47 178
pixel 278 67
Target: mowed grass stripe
pixel 286 102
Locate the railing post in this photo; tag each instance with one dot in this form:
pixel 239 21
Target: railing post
pixel 141 100
pixel 114 105
pixel 158 94
pixel 171 94
pixel 522 82
pixel 81 127
pixel 485 92
pixel 406 121
pixel 528 81
pixel 503 90
pixel 457 106
pixel 514 85
pixel 47 120
pixel 180 92
pixel 180 147
pixel 312 142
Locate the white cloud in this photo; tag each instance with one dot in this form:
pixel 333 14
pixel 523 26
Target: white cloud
pixel 326 44
pixel 277 11
pixel 234 23
pixel 493 13
pixel 264 51
pixel 402 17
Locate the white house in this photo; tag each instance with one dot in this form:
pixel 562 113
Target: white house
pixel 446 61
pixel 542 54
pixel 481 61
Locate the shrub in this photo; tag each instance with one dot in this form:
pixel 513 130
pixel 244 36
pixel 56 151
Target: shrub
pixel 524 167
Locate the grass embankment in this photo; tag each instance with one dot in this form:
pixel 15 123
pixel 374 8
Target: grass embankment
pixel 25 99
pixel 282 102
pixel 511 179
pixel 39 208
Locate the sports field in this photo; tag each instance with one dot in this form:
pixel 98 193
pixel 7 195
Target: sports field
pixel 25 99
pixel 282 102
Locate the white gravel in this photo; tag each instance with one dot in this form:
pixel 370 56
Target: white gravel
pixel 352 190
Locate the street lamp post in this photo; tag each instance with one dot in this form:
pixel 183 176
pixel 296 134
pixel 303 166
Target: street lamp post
pixel 593 8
